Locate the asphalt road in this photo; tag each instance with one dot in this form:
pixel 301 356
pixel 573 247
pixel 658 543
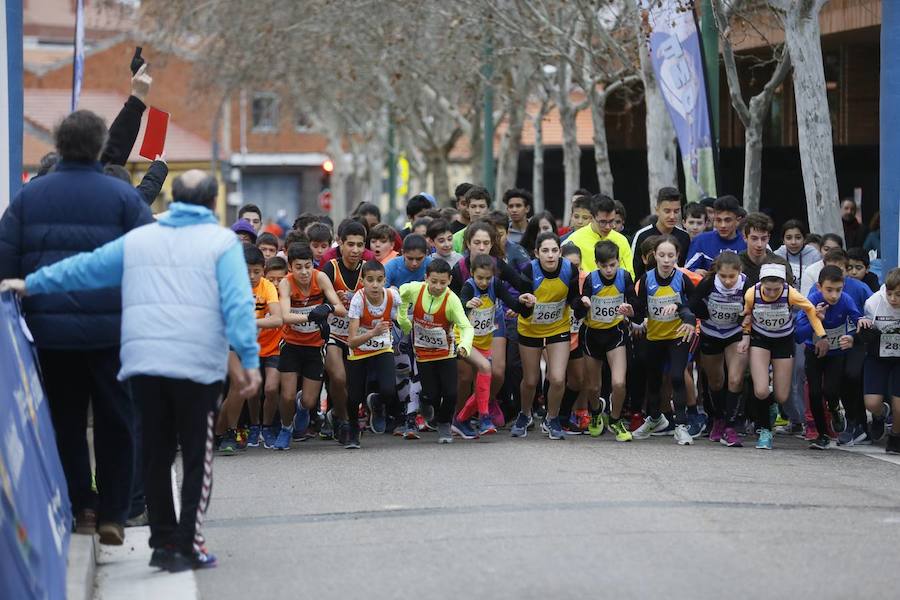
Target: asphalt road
pixel 506 518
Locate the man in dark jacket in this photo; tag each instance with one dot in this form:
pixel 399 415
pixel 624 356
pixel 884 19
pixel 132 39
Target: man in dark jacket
pixel 76 208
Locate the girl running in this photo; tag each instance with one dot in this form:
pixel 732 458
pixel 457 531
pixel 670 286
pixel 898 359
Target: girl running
pixel 663 300
pixel 718 302
pixel 769 332
pixel 554 284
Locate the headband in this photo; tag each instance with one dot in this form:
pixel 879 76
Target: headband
pixel 772 270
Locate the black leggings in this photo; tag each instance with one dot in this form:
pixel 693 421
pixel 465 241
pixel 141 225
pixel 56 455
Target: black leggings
pixel 439 382
pixel 358 372
pixel 852 384
pixel 665 357
pixel 824 377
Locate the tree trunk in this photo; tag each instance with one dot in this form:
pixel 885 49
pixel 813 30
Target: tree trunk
pixel 802 35
pixel 753 146
pixel 537 170
pixel 571 155
pixel 508 162
pixel 661 156
pixel 343 170
pixel 437 164
pixel 476 148
pixel 601 145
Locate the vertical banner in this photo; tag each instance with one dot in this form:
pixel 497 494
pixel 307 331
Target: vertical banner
pixel 889 117
pixel 10 100
pixel 78 64
pixel 674 45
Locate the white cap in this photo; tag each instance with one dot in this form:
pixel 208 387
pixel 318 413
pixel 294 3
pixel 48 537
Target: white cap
pixel 773 270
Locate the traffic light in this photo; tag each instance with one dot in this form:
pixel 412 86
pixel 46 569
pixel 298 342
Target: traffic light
pixel 327 169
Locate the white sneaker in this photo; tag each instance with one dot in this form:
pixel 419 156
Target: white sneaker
pixel 650 425
pixel 682 436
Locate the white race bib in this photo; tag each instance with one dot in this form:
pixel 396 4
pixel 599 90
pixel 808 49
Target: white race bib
pixel 655 305
pixel 725 313
pixel 432 338
pixel 889 346
pixel 309 326
pixel 605 309
pixel 379 342
pixel 546 313
pixel 834 335
pixel 340 326
pixel 771 318
pixel 482 320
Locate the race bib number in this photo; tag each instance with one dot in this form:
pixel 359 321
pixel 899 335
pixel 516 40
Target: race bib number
pixel 307 327
pixel 381 341
pixel 546 313
pixel 340 326
pixel 656 304
pixel 772 318
pixel 834 336
pixel 432 338
pixel 574 324
pixel 482 320
pixel 889 346
pixel 605 309
pixel 725 313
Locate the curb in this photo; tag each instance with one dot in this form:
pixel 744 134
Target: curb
pixel 81 567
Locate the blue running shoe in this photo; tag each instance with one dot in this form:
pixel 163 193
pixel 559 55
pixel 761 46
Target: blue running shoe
pixel 520 427
pixel 463 430
pixel 377 420
pixel 269 434
pixel 696 424
pixel 554 429
pixel 283 441
pixel 254 436
pixel 765 439
pixel 487 427
pixel 301 424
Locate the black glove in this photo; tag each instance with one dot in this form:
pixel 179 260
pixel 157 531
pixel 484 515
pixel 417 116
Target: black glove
pixel 319 314
pixel 324 329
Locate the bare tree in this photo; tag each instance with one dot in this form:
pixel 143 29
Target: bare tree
pixel 753 114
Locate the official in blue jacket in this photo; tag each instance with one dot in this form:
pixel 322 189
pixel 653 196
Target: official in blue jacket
pixel 186 298
pixel 76 208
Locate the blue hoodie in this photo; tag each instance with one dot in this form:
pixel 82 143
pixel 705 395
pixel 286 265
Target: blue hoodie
pixel 708 245
pixel 106 266
pixel 840 319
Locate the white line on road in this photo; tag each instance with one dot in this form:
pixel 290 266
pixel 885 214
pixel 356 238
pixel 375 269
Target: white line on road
pixel 875 452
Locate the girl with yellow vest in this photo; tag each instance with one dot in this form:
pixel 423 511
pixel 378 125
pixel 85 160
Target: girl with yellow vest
pixel 554 284
pixel 663 299
pixel 372 309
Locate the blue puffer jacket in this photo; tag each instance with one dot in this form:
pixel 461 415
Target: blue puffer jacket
pixel 74 209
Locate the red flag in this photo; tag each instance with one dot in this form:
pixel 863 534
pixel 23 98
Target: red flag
pixel 155 134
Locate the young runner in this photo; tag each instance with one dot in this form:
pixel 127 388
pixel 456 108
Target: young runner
pixel 371 351
pixel 573 412
pixel 440 237
pixel 270 348
pixel 608 297
pixel 718 302
pixel 662 300
pixel 769 332
pixel 554 284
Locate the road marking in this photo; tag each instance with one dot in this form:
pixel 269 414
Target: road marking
pixel 123 571
pixel 875 452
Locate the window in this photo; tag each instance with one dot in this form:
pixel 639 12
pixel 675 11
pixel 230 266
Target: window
pixel 302 122
pixel 264 111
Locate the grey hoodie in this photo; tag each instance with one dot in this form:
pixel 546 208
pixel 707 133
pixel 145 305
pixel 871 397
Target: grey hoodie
pixel 800 261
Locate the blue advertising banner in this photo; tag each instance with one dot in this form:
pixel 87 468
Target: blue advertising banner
pixel 35 515
pixel 678 64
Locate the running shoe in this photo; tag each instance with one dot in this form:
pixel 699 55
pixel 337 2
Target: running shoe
pixel 876 429
pixel 650 426
pixel 780 421
pixel 520 427
pixel 838 421
pixel 178 561
pixel 253 436
pixel 554 429
pixel 412 428
pixel 423 423
pixel 696 424
pixel 445 435
pixel 377 420
pixel 427 411
pixel 669 429
pixel 848 436
pixel 301 423
pixel 810 432
pixel 326 431
pixel 463 430
pixel 283 441
pixel 861 435
pixel 683 436
pixel 572 426
pixel 821 443
pixel 241 435
pixel 228 445
pixel 790 429
pixel 352 441
pixel 893 444
pixel 583 419
pixel 730 438
pixel 635 422
pixel 765 439
pixel 269 434
pixel 595 428
pixel 718 429
pixel 621 432
pixel 486 426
